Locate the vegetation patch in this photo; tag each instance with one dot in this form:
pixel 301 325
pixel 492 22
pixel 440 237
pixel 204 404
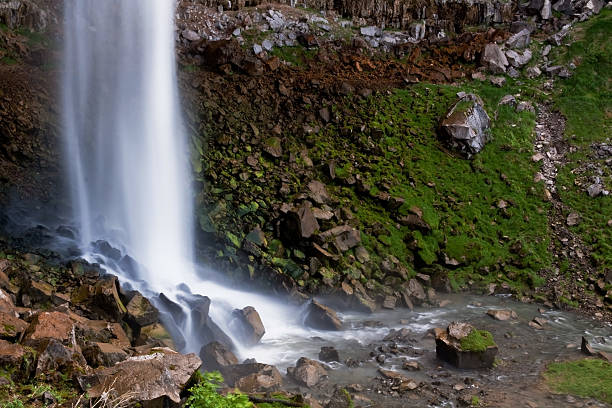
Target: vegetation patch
pixel 584 378
pixel 477 340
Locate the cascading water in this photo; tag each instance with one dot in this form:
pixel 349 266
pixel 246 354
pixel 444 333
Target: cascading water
pixel 128 160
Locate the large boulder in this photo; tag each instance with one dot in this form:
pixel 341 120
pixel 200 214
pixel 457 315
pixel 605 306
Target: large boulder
pixel 56 357
pixel 321 317
pixel 465 347
pixel 466 125
pixel 147 378
pixel 215 355
pixel 248 325
pixel 300 223
pixel 494 59
pixel 140 312
pixel 207 330
pixel 46 326
pixel 252 377
pixel 307 372
pixel 103 354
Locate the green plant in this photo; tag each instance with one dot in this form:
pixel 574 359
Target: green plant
pixel 204 394
pixel 13 404
pixel 585 378
pixel 477 340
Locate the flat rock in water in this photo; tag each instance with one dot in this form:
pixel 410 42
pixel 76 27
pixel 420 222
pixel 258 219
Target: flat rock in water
pixel 307 372
pixel 502 315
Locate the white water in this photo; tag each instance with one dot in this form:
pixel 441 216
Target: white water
pixel 128 162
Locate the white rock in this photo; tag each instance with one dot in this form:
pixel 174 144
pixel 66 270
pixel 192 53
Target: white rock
pixel 257 49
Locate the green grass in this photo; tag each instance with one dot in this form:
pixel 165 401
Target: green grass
pixel 586 101
pixel 399 151
pixel 296 55
pixel 477 340
pixel 584 378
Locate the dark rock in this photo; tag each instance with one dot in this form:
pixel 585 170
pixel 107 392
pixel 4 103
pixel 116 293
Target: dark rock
pixel 307 372
pixel 321 317
pixel 140 312
pixel 328 354
pixel 249 325
pixel 56 357
pixel 106 301
pixel 414 222
pixel 466 125
pixel 273 147
pixel 344 237
pixel 415 291
pixel 318 192
pixel 103 354
pixel 215 356
pixel 300 223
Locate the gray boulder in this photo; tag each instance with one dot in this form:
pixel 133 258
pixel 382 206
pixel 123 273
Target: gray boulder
pixel 494 59
pixel 519 40
pixel 517 59
pixel 249 325
pixel 466 125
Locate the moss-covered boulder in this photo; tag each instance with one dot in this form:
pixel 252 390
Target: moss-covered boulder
pixel 466 347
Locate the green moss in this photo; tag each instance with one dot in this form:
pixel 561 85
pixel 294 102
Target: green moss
pixel 296 55
pixel 584 378
pixel 477 340
pixel 585 99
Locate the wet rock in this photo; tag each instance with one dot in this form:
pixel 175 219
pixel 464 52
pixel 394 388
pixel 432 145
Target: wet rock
pixel 586 348
pixel 449 349
pixel 502 315
pixel 106 301
pixel 538 323
pixel 415 291
pixel 321 317
pixel 103 354
pixel 252 377
pixel 344 237
pixel 494 59
pixel 519 40
pixel 328 354
pixel 466 125
pixel 411 365
pixel 250 326
pixel 140 311
pixel 389 302
pixel 147 378
pixel 208 330
pixel 307 372
pixel 215 355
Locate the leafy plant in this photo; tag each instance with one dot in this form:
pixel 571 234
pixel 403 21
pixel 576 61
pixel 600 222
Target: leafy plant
pixel 205 395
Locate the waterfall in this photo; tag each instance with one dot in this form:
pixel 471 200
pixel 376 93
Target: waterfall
pixel 126 146
pixel 127 160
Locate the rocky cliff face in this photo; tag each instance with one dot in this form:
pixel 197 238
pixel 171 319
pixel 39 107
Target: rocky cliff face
pixel 451 16
pixel 33 15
